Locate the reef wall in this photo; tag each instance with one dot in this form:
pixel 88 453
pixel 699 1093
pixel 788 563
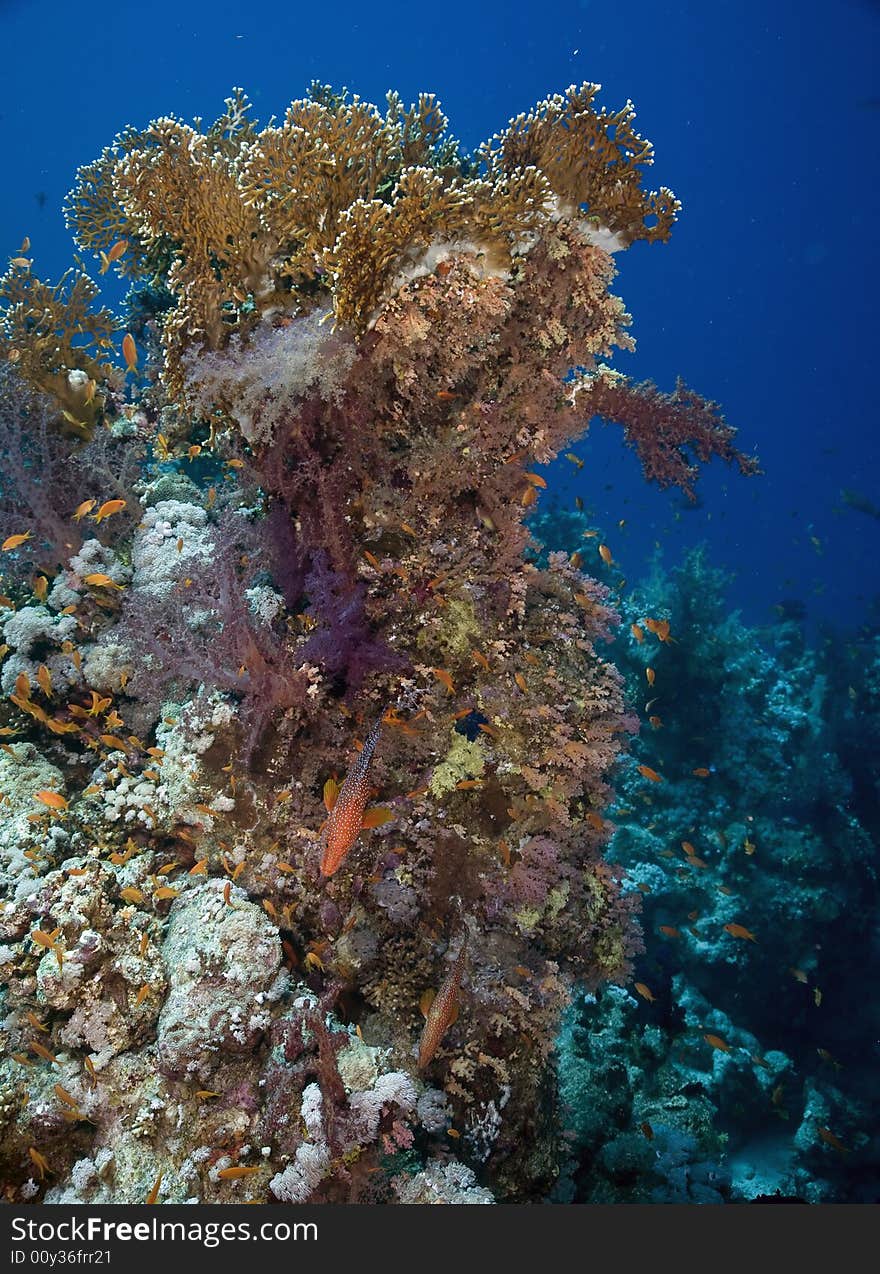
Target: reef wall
pixel 295 731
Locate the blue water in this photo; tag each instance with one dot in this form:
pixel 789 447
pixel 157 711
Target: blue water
pixel 764 120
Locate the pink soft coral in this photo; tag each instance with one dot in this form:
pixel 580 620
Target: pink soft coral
pixel 664 428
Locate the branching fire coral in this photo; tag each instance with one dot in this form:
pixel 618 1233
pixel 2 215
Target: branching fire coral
pixel 369 342
pixel 57 341
pixel 340 197
pixel 592 159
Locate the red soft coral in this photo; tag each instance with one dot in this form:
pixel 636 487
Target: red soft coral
pixel 664 428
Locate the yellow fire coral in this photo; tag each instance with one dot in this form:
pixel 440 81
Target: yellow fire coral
pixel 379 242
pixel 55 339
pixel 592 159
pixel 341 198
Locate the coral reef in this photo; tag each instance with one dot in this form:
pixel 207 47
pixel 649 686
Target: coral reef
pixel 735 1067
pixel 356 346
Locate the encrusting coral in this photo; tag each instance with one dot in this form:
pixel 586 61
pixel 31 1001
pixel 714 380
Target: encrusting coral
pixel 368 342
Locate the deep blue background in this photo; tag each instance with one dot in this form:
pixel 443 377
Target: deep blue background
pixel 764 117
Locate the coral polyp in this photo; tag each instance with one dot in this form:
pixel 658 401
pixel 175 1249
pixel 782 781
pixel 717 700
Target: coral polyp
pixel 351 347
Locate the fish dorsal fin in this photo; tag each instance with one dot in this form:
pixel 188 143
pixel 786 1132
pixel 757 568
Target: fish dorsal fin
pixel 426 1001
pixel 331 791
pixel 377 817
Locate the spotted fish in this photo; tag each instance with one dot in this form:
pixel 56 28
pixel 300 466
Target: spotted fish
pixel 346 819
pixel 441 1010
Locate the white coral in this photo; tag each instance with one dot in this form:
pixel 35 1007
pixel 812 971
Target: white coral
pixel 34 635
pixel 21 775
pixel 312 1111
pixel 159 564
pixel 393 1088
pixel 264 602
pixel 449 1182
pixel 433 1110
pixel 94 557
pixel 300 1179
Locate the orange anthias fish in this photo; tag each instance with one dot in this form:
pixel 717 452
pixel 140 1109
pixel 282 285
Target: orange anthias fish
pixel 445 679
pixel 39 1161
pixel 54 800
pixel 107 509
pixel 346 819
pixel 107 258
pixel 831 1140
pixel 98 579
pixel 129 351
pixel 740 931
pixel 660 628
pixel 14 541
pixel 441 1009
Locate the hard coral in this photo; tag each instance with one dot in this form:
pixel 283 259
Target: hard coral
pixel 592 159
pixel 340 198
pixel 57 341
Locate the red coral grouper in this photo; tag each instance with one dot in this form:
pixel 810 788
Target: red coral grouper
pixel 441 1010
pixel 346 819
